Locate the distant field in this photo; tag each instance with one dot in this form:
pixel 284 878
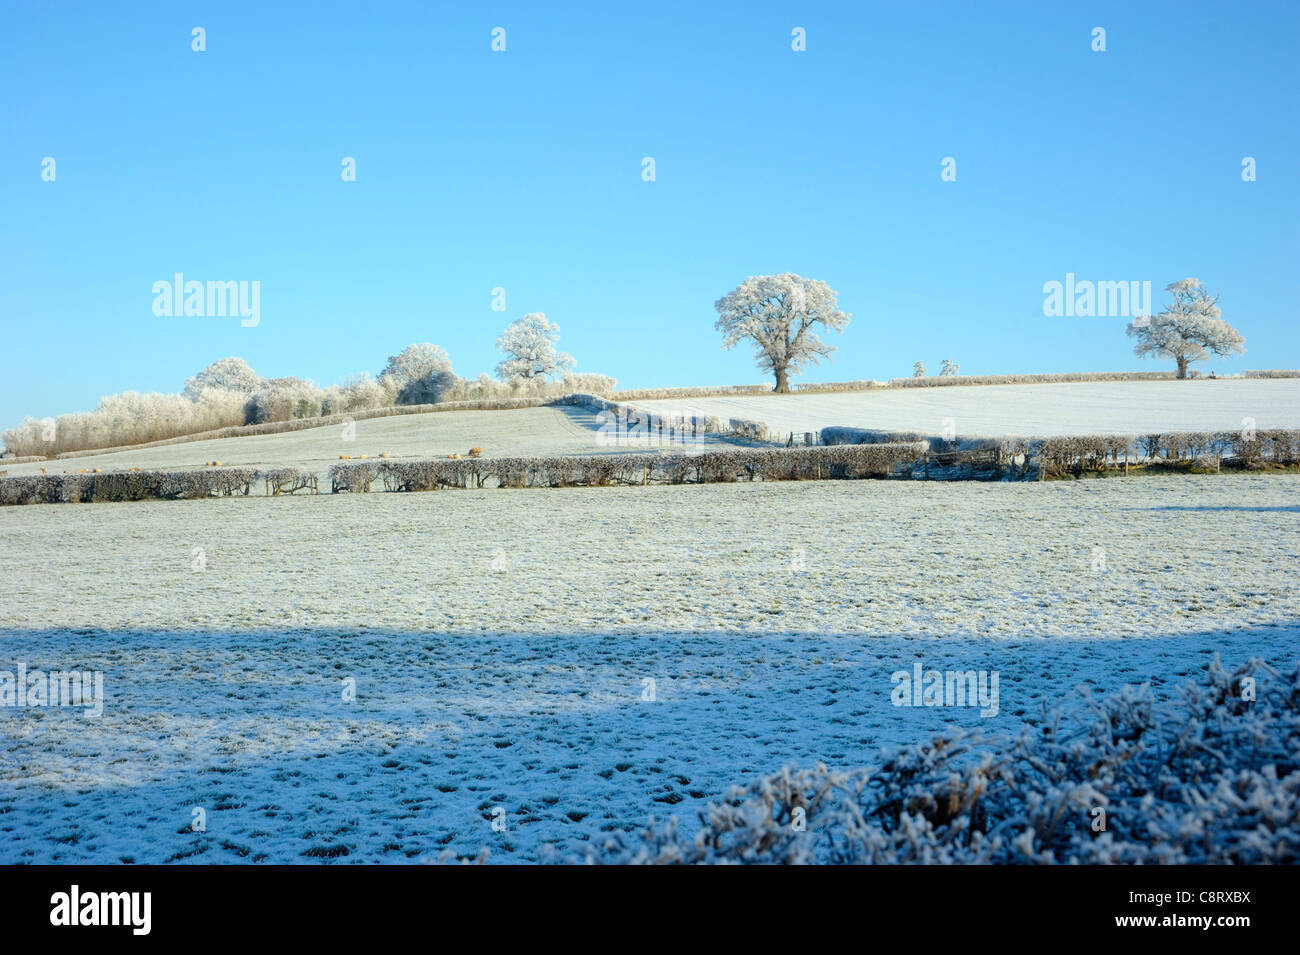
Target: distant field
pixel 1102 407
pixel 527 431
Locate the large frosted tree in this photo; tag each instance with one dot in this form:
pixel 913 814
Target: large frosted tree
pixel 529 346
pixel 418 374
pixel 1189 330
pixel 779 314
pixel 227 374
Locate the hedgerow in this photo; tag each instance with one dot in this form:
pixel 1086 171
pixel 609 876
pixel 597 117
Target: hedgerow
pixel 720 391
pixel 1201 449
pixel 720 466
pixel 948 381
pixel 1213 778
pixel 127 486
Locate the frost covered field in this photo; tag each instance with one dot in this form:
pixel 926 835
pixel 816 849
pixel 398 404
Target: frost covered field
pixel 527 431
pixel 1056 410
pixel 500 643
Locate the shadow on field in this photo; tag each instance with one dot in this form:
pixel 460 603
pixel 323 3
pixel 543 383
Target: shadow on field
pixel 382 744
pixel 1283 508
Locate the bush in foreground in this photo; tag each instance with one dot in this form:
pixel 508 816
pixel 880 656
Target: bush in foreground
pixel 1213 778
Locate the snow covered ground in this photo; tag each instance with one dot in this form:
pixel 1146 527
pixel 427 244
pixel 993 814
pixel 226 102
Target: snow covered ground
pixel 527 431
pixel 1056 410
pixel 500 642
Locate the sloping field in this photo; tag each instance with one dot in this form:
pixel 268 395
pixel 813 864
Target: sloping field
pixel 527 431
pixel 1048 410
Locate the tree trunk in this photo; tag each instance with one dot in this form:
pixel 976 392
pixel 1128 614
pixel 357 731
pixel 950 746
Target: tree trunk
pixel 782 381
pixel 1182 368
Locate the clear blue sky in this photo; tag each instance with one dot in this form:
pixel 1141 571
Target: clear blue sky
pixel 522 170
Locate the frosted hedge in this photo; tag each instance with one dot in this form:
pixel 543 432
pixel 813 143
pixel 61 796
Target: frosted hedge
pixel 1202 450
pixel 717 391
pixel 1057 457
pixel 127 486
pixel 722 466
pixel 1211 779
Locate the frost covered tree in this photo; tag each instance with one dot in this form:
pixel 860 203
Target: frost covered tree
pixel 282 399
pixel 358 393
pixel 1189 330
pixel 529 346
pixel 777 313
pixel 918 370
pixel 418 374
pixel 227 374
pixel 949 368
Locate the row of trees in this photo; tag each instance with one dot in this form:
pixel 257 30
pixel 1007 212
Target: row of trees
pixel 780 315
pixel 229 392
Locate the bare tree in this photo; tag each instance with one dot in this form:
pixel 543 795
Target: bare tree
pixel 529 345
pixel 1189 330
pixel 777 313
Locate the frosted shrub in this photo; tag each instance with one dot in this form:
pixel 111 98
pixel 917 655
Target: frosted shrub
pixel 288 480
pixel 359 393
pixel 750 430
pixel 355 476
pixel 1213 778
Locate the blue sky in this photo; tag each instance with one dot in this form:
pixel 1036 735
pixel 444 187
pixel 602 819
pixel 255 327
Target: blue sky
pixel 522 170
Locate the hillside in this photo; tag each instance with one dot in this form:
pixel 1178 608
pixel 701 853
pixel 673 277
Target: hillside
pixel 1095 407
pixel 560 430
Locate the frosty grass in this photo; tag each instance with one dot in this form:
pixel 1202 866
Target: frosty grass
pixel 500 642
